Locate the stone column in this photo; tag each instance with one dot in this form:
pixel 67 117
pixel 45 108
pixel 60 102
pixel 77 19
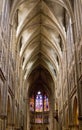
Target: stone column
pixel 80 104
pixel 79 83
pixel 3 122
pixel 51 116
pixel 26 117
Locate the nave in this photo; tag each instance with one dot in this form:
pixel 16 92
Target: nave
pixel 40 65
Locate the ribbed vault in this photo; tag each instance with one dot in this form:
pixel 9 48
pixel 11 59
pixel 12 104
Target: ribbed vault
pixel 40 82
pixel 41 35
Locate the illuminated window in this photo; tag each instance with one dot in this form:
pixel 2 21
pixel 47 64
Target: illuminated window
pixel 46 103
pixel 39 102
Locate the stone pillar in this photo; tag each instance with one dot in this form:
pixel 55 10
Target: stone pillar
pixel 26 116
pixel 80 104
pixel 51 115
pixel 13 113
pixel 79 85
pixel 3 122
pixel 70 115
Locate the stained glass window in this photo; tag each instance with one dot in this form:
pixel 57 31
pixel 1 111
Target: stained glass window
pixel 39 102
pixel 46 103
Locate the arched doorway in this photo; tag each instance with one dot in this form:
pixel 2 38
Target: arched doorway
pixel 75 114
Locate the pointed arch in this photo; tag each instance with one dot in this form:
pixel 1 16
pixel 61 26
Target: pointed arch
pixel 75 111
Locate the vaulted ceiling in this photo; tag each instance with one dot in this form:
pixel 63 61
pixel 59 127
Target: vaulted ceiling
pixel 41 36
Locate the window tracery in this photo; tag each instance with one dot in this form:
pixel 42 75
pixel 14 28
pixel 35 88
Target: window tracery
pixel 39 108
pixel 39 102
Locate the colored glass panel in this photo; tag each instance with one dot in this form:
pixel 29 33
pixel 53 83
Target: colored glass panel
pixel 39 102
pixel 46 103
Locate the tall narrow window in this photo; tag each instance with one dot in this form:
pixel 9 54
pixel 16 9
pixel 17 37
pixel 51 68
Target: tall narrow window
pixel 46 103
pixel 39 102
